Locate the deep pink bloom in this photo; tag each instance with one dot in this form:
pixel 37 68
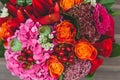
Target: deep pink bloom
pixel 111 32
pixel 101 19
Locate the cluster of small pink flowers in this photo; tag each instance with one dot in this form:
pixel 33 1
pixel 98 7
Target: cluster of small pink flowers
pixel 28 36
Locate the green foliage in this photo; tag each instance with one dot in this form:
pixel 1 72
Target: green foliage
pixel 24 2
pixel 108 5
pixel 2 49
pixel 90 77
pixel 4 1
pixel 61 77
pixel 116 50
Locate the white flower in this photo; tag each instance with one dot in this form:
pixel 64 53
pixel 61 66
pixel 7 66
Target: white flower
pixel 4 12
pixel 50 36
pixel 93 2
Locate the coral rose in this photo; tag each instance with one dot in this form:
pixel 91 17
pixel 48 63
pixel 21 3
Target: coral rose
pixel 65 32
pixel 67 4
pixel 85 51
pixel 55 67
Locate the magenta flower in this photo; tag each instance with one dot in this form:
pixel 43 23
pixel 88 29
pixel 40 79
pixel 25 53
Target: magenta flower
pixel 101 19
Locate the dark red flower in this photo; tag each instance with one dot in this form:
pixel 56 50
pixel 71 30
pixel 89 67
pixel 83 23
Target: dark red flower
pixel 43 11
pixel 110 31
pixel 14 2
pixel 16 11
pixel 2 20
pixel 95 64
pixel 104 47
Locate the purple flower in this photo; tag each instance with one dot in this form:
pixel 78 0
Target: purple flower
pixel 101 19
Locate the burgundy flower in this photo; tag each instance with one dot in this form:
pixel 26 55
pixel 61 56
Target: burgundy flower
pixel 43 11
pixel 95 64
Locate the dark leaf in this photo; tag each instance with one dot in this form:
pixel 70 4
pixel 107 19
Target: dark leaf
pixel 116 50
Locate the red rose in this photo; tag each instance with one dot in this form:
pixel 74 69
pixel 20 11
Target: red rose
pixel 95 64
pixel 110 31
pixel 104 47
pixel 43 11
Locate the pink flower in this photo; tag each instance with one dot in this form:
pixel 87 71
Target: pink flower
pixel 28 36
pixel 101 19
pixel 110 31
pixel 28 33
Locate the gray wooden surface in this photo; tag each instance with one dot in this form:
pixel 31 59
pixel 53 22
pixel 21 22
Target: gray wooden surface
pixel 110 70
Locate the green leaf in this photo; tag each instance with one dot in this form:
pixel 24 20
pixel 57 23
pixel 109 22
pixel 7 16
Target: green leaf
pixel 2 49
pixel 115 13
pixel 61 77
pixel 45 30
pixel 90 76
pixel 106 2
pixel 24 2
pixel 29 2
pixel 116 50
pixel 4 1
pixel 21 2
pixel 16 45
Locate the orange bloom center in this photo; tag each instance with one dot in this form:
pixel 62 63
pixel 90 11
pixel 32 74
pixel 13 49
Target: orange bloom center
pixel 84 50
pixel 55 67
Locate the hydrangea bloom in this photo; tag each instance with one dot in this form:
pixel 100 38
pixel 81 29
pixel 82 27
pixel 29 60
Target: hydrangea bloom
pixel 28 36
pixel 101 19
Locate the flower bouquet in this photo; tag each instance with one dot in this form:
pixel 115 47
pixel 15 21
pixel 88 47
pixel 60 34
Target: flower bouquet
pixel 57 39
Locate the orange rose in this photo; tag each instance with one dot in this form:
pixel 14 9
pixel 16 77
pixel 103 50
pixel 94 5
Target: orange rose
pixel 3 29
pixel 78 1
pixel 55 67
pixel 65 32
pixel 85 51
pixel 67 4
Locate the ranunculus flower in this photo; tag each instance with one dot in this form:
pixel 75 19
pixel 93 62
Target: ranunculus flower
pixel 67 4
pixel 110 31
pixel 104 47
pixel 95 64
pixel 65 32
pixel 54 66
pixel 85 51
pixel 43 11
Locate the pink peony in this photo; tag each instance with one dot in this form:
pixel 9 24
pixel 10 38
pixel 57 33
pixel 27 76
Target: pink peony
pixel 101 19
